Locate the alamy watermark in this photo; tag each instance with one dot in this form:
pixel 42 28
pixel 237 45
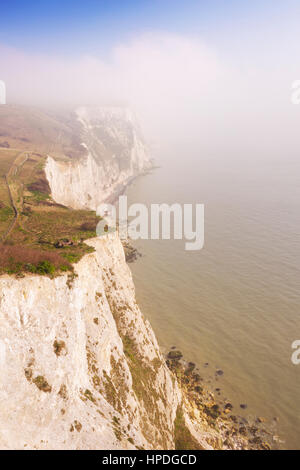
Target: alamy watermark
pixel 2 92
pixel 295 99
pixel 296 354
pixel 295 96
pixel 161 221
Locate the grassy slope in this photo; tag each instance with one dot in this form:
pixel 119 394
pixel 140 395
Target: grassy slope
pixel 29 242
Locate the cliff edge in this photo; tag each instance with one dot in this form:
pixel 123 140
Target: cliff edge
pixel 115 153
pixel 80 367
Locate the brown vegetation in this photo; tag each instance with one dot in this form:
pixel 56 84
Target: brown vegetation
pixel 15 259
pixel 37 235
pixel 41 185
pixel 42 384
pixel 59 346
pixel 89 226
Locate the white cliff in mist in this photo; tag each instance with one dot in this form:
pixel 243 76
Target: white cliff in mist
pixel 115 153
pixel 80 367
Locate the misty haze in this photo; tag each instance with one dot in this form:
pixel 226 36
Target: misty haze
pixel 165 103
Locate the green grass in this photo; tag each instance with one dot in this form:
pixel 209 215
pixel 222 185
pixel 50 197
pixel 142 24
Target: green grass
pixel 44 267
pixel 47 238
pixel 38 196
pixel 6 213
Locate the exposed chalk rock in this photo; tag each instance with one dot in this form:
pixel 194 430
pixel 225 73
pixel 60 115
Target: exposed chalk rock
pixel 115 154
pixel 109 386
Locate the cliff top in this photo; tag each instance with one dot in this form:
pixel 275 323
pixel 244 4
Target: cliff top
pixel 36 234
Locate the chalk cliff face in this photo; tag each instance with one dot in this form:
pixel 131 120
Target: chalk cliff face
pixel 115 153
pixel 80 368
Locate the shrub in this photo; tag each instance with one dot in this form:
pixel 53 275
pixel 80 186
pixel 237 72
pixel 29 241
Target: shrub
pixel 16 258
pixel 71 257
pixel 40 186
pixel 64 268
pixel 45 267
pixel 89 226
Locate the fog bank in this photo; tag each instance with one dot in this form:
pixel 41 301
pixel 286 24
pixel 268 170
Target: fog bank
pixel 186 92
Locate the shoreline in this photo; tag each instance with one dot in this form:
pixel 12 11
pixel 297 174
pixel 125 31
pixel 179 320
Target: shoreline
pixel 112 199
pixel 239 432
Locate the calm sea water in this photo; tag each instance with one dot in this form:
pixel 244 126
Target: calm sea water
pixel 236 303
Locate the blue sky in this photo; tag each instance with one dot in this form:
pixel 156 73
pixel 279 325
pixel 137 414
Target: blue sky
pixel 74 27
pixel 123 49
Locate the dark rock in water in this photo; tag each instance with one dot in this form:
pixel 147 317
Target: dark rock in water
pixel 243 406
pixel 219 372
pixel 228 406
pixel 173 347
pixel 175 355
pixel 197 378
pixel 191 366
pixel 206 364
pixel 198 389
pixel 212 411
pixel 218 389
pixel 131 253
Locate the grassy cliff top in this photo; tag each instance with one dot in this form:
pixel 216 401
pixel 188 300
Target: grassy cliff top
pixel 36 234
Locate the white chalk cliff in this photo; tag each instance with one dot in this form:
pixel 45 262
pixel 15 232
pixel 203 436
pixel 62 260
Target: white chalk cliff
pixel 65 380
pixel 80 368
pixel 115 153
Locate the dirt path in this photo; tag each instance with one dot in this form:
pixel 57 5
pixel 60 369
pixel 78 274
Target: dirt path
pixel 12 172
pixel 16 213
